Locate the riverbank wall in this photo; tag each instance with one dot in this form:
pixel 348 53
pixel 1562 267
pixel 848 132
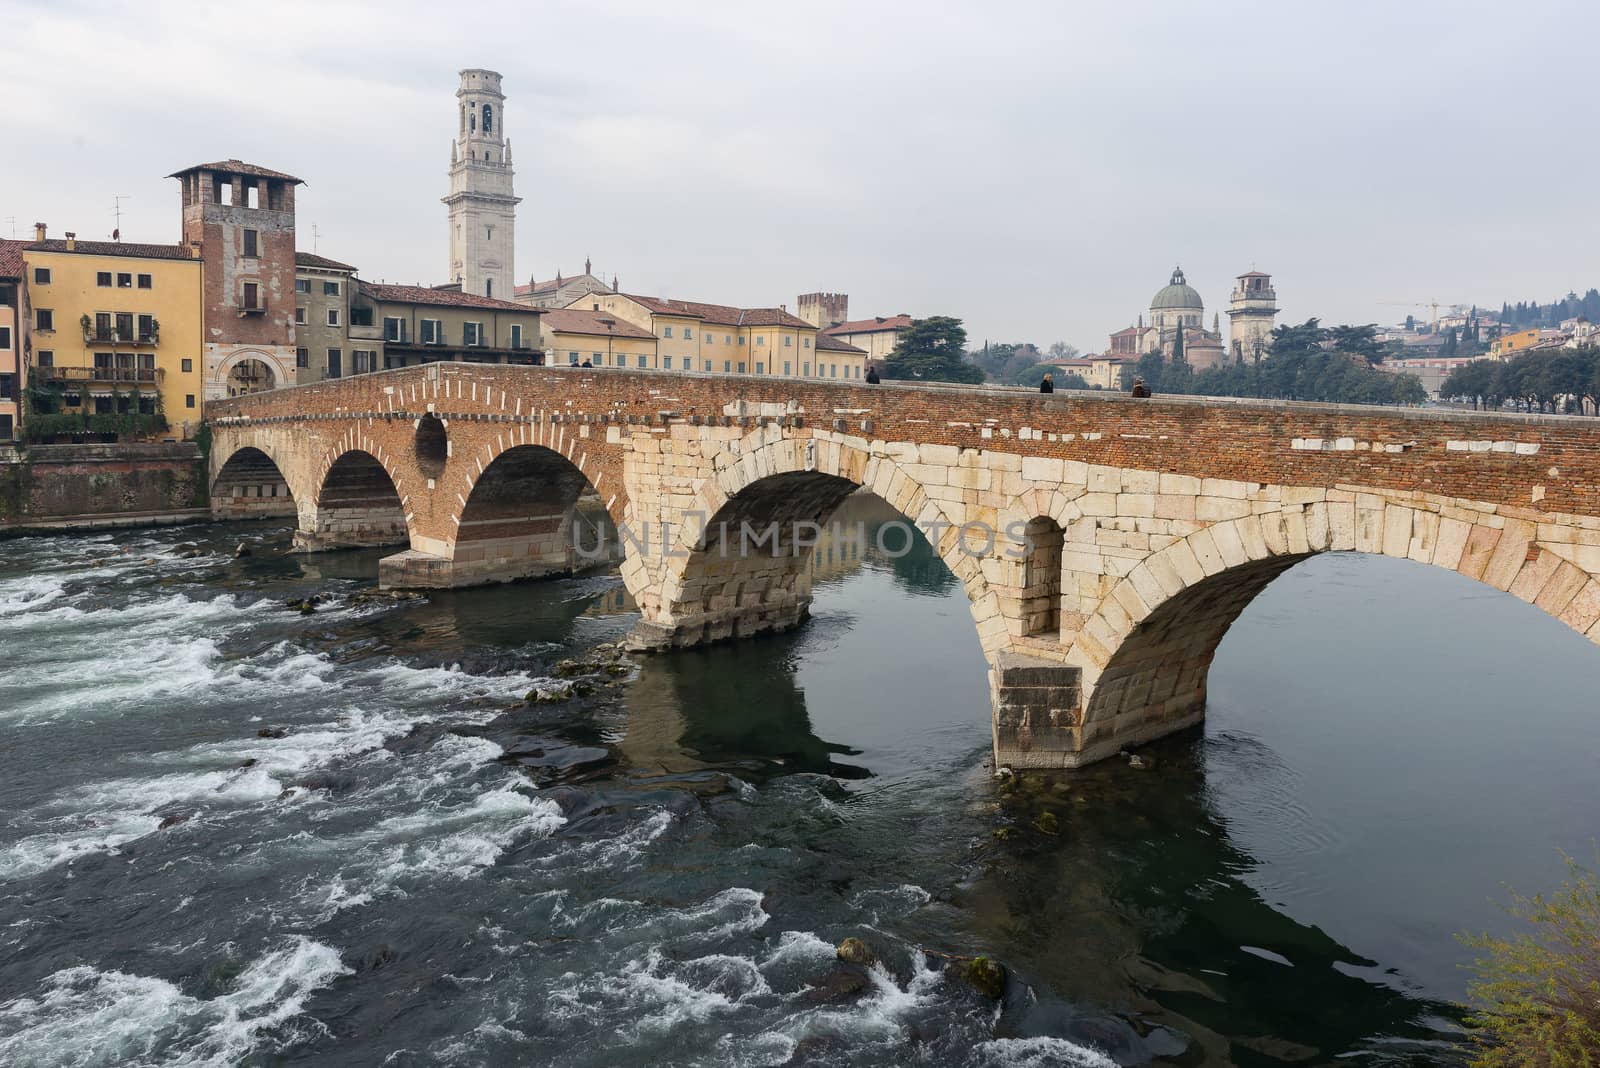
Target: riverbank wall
pixel 46 488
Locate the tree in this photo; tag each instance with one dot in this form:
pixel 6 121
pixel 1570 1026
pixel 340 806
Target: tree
pixel 1060 350
pixel 1358 341
pixel 1538 992
pixel 933 349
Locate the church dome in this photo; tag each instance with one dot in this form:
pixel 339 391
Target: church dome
pixel 1177 295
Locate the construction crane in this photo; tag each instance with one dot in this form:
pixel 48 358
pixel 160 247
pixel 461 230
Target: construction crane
pixel 1433 304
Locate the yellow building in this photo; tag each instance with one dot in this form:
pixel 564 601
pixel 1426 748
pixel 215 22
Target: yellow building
pixel 116 334
pixel 877 336
pixel 573 336
pixel 721 339
pixel 1508 345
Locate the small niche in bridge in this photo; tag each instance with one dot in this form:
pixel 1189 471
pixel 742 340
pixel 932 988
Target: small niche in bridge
pixel 432 445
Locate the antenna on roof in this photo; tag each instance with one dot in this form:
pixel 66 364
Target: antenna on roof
pixel 315 233
pixel 116 209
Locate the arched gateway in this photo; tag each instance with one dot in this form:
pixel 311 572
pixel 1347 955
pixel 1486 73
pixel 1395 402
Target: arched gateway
pixel 1105 545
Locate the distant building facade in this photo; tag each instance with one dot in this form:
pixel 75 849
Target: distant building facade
pixel 877 337
pixel 1252 314
pixel 322 321
pixel 482 204
pixel 13 316
pixel 401 326
pixel 560 292
pixel 574 335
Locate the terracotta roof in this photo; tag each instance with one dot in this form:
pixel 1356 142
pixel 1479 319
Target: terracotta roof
pixel 311 259
pixel 720 314
pixel 1106 357
pixel 233 166
pixel 442 297
pixel 871 326
pixel 1070 361
pixel 578 321
pixel 114 248
pixel 11 258
pixel 833 344
pixel 1126 331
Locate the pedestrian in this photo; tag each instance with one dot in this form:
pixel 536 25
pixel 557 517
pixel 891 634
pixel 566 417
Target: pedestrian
pixel 1140 389
pixel 872 374
pixel 586 363
pixel 1048 385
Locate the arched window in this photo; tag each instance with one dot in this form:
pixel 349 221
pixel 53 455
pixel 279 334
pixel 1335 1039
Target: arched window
pixel 488 118
pixel 472 120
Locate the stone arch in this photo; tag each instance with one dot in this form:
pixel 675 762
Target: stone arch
pixel 523 514
pixel 358 503
pixel 1146 650
pixel 251 484
pixel 765 478
pixel 282 374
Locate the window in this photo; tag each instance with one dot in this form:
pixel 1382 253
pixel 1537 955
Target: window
pixel 394 328
pixel 335 363
pixel 641 363
pixel 688 334
pixel 252 196
pixel 363 361
pixel 786 367
pixel 360 316
pixel 787 341
pixel 302 285
pixel 300 317
pixel 741 367
pixel 146 282
pixel 222 192
pixel 666 331
pixel 488 118
pixel 102 279
pixel 666 363
pixel 188 400
pixel 741 339
pixel 333 316
pixel 708 366
pixel 805 370
pixel 707 338
pixel 41 276
pixel 44 319
pixel 147 329
pixel 47 358
pixel 761 339
pixel 806 343
pixel 125 326
pixel 472 333
pixel 432 331
pixel 761 368
pixel 572 359
pixel 252 242
pixel 330 289
pixel 302 357
pixel 833 370
pixel 727 339
pixel 252 295
pixel 488 283
pixel 188 364
pixel 124 280
pixel 5 337
pixel 516 335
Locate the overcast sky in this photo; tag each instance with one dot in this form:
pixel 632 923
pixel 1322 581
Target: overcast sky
pixel 1035 169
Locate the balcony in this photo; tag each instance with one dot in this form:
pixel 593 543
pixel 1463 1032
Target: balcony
pixel 115 376
pixel 149 338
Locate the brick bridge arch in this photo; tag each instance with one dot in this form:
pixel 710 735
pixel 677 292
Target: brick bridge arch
pixel 1128 534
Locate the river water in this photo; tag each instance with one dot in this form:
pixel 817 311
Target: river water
pixel 232 833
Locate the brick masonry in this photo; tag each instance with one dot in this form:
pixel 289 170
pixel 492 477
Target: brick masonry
pixel 1129 534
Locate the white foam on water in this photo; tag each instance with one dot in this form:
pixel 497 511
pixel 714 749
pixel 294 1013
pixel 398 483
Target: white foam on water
pixel 621 852
pixel 892 902
pixel 29 592
pixel 88 1017
pixel 796 947
pixel 1040 1052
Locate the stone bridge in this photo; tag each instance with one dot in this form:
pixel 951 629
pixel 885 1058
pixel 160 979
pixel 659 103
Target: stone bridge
pixel 1105 544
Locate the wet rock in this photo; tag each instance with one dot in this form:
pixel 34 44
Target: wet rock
pixel 242 551
pixel 845 982
pixel 331 781
pixel 617 670
pixel 187 550
pixel 272 732
pixel 1004 833
pixel 247 762
pixel 551 696
pixel 1046 823
pixel 814 1051
pixel 172 820
pixel 1138 761
pixel 986 976
pixel 307 608
pixel 855 951
pixel 378 958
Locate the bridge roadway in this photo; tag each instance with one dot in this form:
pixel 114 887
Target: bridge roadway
pixel 1127 535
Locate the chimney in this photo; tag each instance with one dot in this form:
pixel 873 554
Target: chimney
pixel 38 231
pixel 72 240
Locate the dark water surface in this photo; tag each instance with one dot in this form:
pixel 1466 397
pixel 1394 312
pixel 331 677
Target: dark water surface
pixel 234 834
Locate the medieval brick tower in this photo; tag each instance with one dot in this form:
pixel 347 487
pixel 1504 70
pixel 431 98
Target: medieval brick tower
pixel 483 209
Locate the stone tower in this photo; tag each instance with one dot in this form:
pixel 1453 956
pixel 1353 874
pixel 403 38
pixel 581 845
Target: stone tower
pixel 483 209
pixel 1252 308
pixel 823 310
pixel 239 219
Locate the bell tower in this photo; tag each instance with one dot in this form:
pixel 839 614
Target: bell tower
pixel 483 208
pixel 1252 311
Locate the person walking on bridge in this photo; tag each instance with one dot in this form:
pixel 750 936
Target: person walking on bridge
pixel 872 374
pixel 1048 385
